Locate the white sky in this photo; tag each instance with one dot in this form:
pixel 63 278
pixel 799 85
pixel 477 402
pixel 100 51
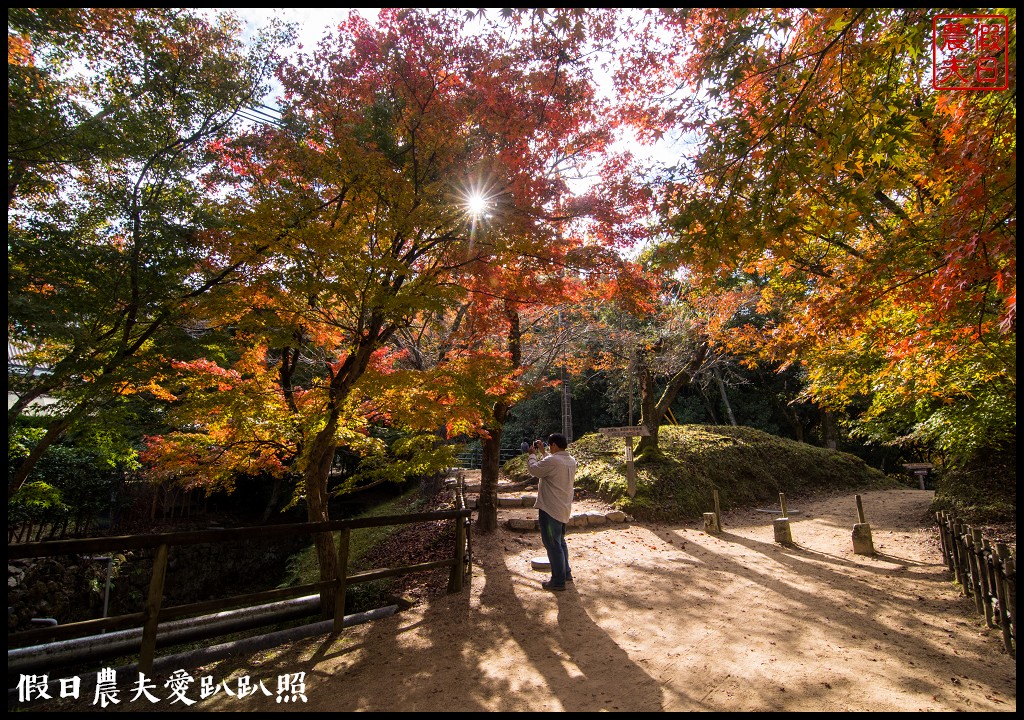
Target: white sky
pixel 312 23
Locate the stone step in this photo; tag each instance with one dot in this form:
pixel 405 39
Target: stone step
pixel 521 500
pixel 508 501
pixel 474 488
pixel 580 520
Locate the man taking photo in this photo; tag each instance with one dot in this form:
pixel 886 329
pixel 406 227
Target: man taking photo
pixel 556 473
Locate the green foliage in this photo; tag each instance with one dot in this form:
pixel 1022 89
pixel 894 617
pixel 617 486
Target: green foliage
pixel 112 232
pixel 983 419
pixel 534 417
pixel 981 487
pixel 407 456
pixel 878 214
pixel 675 482
pixel 36 501
pixel 73 481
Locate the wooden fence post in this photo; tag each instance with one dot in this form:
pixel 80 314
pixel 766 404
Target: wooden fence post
pixel 943 538
pixel 1006 589
pixel 341 584
pixel 152 612
pixel 962 533
pixel 957 562
pixel 985 587
pixel 975 565
pixel 989 575
pixel 710 524
pixel 469 546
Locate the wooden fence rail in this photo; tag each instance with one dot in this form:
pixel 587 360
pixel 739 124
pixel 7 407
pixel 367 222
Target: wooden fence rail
pixel 985 572
pixel 153 614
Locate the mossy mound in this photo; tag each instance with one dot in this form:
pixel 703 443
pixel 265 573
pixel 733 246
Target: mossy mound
pixel 675 483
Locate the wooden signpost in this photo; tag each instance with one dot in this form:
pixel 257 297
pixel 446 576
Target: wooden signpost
pixel 920 471
pixel 629 432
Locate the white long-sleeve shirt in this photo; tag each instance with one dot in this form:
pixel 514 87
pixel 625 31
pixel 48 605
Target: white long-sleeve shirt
pixel 557 473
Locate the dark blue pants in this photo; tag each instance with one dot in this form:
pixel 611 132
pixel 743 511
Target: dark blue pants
pixel 552 533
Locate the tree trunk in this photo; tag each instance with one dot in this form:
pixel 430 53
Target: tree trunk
pixel 652 411
pixel 725 398
pixel 708 406
pixel 487 504
pixel 321 456
pixel 53 433
pixel 650 418
pixel 275 495
pixel 791 416
pixel 830 430
pixel 315 484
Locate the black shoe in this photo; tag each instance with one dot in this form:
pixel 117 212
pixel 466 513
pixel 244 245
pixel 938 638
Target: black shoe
pixel 570 581
pixel 551 586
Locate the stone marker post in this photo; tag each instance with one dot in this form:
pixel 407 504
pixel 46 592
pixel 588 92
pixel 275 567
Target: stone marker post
pixel 783 535
pixel 711 524
pixel 713 520
pixel 862 544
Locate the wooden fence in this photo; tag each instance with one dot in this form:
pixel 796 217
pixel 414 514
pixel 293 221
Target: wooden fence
pixel 985 572
pixel 474 459
pixel 153 614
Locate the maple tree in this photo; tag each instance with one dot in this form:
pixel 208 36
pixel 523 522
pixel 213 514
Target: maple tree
pixel 111 238
pixel 662 334
pixel 512 329
pixel 880 214
pixel 363 193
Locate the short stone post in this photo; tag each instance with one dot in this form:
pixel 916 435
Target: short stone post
pixel 711 524
pixel 783 535
pixel 713 520
pixel 862 544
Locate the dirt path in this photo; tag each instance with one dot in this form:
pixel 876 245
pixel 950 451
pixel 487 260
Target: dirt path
pixel 668 618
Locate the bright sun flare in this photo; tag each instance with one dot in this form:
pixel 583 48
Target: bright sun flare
pixel 477 204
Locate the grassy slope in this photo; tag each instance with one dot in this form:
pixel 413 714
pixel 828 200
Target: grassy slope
pixel 746 466
pixel 304 568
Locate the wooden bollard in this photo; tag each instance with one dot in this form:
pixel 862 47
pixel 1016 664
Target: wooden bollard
pixel 862 544
pixel 718 510
pixel 711 524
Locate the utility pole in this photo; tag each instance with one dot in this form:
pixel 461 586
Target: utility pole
pixel 566 406
pixel 566 395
